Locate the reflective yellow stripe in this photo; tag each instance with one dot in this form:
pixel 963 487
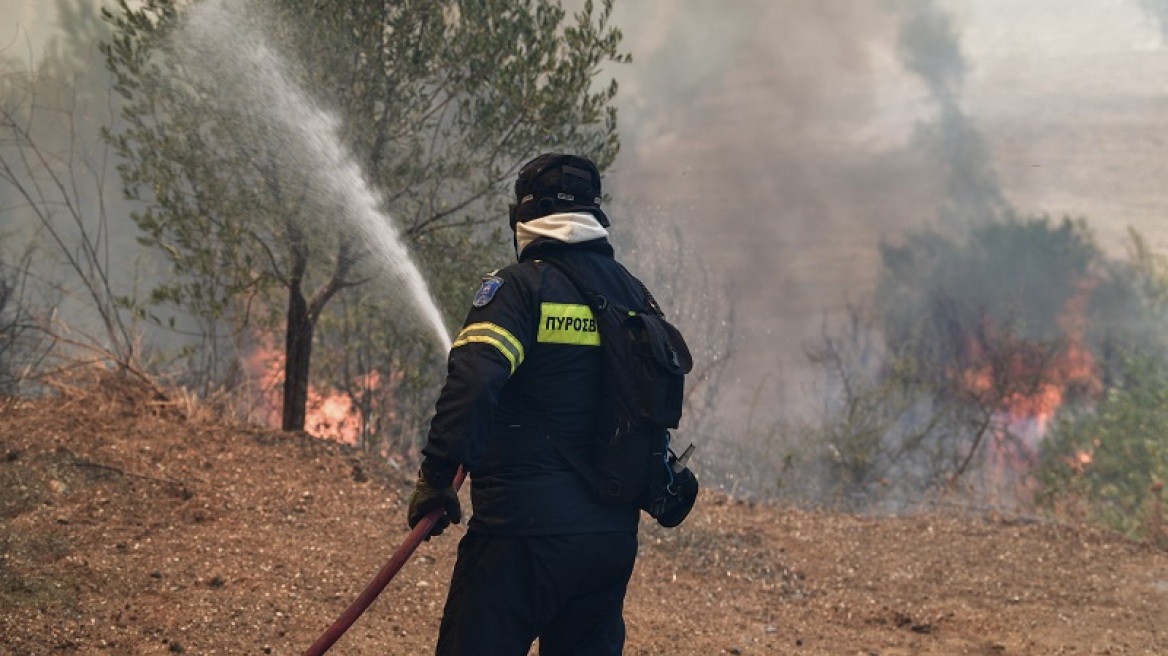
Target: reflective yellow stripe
pixel 495 335
pixel 567 323
pixel 496 329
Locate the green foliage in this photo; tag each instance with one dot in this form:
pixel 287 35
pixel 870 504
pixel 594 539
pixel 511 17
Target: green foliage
pixel 185 157
pixel 443 100
pixel 1106 463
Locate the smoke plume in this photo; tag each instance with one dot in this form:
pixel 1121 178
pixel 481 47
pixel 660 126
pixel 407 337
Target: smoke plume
pixel 930 48
pixel 787 139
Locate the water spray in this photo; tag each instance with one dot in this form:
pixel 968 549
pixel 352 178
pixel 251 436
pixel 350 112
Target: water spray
pixel 220 38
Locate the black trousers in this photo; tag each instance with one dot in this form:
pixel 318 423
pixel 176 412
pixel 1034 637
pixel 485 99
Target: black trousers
pixel 566 590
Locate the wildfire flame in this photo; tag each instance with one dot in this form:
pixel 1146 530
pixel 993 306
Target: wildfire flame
pixel 329 414
pixel 1037 382
pixel 1081 460
pixel 1026 383
pixel 1049 380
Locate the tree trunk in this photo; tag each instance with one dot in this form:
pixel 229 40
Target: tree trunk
pixel 302 316
pixel 297 352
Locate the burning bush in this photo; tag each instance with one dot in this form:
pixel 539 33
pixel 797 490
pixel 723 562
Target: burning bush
pixel 976 344
pixel 1109 464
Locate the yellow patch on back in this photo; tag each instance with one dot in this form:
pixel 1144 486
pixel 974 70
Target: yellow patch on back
pixel 567 323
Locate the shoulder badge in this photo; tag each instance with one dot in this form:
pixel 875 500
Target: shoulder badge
pixel 491 284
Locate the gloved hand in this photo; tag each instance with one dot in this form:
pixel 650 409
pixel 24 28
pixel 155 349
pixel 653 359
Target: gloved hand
pixel 428 496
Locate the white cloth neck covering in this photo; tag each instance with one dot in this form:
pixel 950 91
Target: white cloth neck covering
pixel 568 227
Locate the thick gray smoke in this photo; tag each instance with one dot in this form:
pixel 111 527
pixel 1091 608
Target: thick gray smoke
pixel 55 98
pixel 787 139
pixel 929 47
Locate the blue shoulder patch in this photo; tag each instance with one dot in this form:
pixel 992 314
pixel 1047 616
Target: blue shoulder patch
pixel 491 284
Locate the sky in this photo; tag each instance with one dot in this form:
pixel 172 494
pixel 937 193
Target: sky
pixel 784 139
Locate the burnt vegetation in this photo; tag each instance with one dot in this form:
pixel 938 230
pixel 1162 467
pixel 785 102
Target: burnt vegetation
pixel 1014 367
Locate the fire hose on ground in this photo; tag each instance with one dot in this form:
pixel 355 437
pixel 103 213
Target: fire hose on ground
pixel 384 576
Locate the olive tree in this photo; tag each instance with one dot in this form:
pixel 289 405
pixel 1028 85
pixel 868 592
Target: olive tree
pixel 436 101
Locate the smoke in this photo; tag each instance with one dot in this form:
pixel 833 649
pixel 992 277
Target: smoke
pixel 930 48
pixel 787 139
pixel 1157 9
pixel 55 98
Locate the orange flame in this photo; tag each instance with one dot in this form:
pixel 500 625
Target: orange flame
pixel 1027 386
pixel 1052 378
pixel 329 414
pixel 1081 460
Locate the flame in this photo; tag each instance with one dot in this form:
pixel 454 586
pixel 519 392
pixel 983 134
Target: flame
pixel 1081 460
pixel 1026 384
pixel 1029 383
pixel 329 414
pixel 265 366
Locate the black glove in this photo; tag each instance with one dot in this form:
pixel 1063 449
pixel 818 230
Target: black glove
pixel 428 496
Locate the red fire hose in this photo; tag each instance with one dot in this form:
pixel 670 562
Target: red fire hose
pixel 399 558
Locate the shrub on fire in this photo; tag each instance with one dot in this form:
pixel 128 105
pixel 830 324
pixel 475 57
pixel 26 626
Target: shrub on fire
pixel 1109 464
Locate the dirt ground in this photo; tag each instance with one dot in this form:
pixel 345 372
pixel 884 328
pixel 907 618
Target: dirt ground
pixel 127 529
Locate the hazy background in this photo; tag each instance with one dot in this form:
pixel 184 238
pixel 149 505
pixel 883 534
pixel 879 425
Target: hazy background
pixel 786 138
pixel 789 138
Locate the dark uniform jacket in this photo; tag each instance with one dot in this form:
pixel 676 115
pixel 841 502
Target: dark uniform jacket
pixel 527 364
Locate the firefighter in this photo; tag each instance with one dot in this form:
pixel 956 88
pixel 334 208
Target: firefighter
pixel 540 558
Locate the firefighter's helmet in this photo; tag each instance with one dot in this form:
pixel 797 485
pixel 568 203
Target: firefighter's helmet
pixel 556 182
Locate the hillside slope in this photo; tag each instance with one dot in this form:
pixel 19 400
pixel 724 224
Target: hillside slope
pixel 125 529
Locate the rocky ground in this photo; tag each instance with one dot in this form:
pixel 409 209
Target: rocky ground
pixel 127 527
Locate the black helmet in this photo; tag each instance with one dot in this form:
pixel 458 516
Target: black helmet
pixel 555 182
